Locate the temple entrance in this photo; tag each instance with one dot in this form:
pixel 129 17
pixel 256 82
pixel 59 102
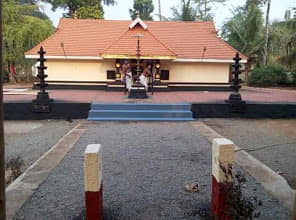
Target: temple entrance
pixel 143 63
pixel 136 77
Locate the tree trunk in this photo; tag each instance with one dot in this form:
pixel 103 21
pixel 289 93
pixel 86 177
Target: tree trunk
pixel 159 10
pixel 205 13
pixel 266 33
pixel 2 151
pixel 71 10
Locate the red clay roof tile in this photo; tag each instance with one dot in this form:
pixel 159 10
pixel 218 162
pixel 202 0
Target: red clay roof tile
pixel 87 37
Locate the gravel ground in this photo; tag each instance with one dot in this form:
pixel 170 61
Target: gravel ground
pixel 271 141
pixel 31 139
pixel 145 168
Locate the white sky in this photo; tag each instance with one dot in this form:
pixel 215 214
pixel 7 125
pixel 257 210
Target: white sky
pixel 120 11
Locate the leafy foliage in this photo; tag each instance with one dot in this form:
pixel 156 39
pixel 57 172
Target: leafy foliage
pixel 15 165
pixel 95 12
pixel 204 8
pixel 244 31
pixel 268 76
pixel 191 9
pixel 30 8
pixel 287 38
pixel 73 5
pixel 144 7
pixel 186 12
pixel 20 33
pixel 294 77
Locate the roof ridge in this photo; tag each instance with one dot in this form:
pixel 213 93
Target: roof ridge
pixel 145 21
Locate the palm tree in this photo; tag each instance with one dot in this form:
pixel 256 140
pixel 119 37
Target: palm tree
pixel 244 31
pixel 290 47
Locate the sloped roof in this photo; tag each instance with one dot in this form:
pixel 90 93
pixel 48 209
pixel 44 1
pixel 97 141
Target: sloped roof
pixel 88 37
pixel 150 46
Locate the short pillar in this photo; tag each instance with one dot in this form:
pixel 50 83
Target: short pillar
pixel 222 176
pixel 93 182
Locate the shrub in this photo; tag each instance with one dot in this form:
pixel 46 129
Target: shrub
pixel 268 76
pixel 15 166
pixel 293 77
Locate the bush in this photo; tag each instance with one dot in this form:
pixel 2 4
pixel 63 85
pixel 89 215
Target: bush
pixel 15 166
pixel 268 76
pixel 293 77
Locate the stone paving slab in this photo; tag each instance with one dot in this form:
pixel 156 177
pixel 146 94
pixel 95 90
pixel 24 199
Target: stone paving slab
pixel 145 168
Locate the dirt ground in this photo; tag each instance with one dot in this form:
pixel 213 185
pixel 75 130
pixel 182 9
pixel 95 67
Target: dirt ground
pixel 145 168
pixel 26 141
pixel 273 142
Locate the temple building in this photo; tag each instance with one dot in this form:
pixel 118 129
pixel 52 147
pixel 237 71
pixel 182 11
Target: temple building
pixel 184 55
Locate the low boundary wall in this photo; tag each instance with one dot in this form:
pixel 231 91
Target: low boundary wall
pixel 68 110
pixel 60 110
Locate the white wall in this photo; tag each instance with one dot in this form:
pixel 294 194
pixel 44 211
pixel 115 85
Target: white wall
pixel 78 70
pixel 197 72
pixel 95 70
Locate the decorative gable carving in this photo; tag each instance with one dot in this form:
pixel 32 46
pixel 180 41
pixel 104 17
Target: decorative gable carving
pixel 138 21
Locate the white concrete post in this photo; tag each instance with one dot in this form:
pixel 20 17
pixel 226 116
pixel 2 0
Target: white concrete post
pixel 222 175
pixel 93 182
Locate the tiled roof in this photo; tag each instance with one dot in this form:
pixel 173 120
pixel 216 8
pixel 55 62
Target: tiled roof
pixel 149 44
pixel 87 37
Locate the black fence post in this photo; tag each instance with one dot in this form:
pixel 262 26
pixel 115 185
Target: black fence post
pixel 235 100
pixel 42 103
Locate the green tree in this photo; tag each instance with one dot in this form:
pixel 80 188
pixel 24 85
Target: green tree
pixel 258 3
pixel 31 8
pixel 95 12
pixel 205 7
pixel 186 11
pixel 20 33
pixel 144 8
pixel 245 31
pixel 285 33
pixel 73 5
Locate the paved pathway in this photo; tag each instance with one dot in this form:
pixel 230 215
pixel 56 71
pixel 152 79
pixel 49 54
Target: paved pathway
pixel 248 94
pixel 145 168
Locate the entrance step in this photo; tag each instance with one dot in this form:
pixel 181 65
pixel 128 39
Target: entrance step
pixel 140 112
pixel 119 86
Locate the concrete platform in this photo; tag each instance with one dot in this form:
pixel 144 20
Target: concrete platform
pixel 250 94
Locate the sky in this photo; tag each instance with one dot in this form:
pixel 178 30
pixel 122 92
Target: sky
pixel 120 11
